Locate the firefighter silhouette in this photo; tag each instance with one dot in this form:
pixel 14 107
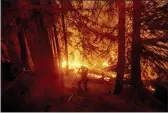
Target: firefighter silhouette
pixel 82 84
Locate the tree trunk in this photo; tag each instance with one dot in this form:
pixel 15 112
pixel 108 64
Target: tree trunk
pixel 121 48
pixel 25 52
pixel 136 68
pixel 65 41
pixel 59 56
pixel 57 47
pixel 43 56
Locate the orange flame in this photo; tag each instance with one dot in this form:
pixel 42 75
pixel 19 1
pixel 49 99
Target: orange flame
pixel 72 64
pixel 105 64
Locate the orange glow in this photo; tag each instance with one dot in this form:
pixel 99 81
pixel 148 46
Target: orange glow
pixel 113 75
pixel 105 64
pixel 98 77
pixel 150 88
pixel 107 79
pixel 64 64
pixel 73 64
pixel 76 64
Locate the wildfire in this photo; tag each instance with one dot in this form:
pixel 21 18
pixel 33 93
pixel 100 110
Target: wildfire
pixel 64 64
pixel 74 64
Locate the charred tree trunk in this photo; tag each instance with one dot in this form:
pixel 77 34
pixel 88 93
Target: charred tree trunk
pixel 59 56
pixel 23 15
pixel 65 41
pixel 57 47
pixel 121 48
pixel 41 49
pixel 136 67
pixel 25 52
pixel 42 53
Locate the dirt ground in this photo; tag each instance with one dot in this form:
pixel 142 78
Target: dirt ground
pixel 38 93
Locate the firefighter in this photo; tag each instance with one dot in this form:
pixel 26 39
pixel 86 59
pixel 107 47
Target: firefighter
pixel 83 71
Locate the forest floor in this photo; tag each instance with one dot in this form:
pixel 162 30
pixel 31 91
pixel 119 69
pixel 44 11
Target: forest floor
pixel 38 93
